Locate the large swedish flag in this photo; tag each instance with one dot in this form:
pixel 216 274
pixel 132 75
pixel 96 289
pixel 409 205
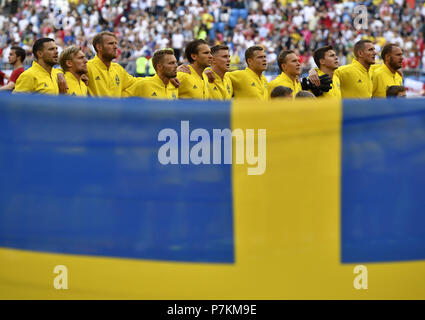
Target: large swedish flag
pixel 81 186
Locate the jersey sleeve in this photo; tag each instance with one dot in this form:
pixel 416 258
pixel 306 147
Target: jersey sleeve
pixel 129 80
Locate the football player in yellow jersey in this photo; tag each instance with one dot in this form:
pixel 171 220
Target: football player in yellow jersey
pixel 289 63
pixel 158 86
pixel 107 78
pixel 327 62
pixel 355 78
pixel 74 63
pixel 250 82
pixel 41 77
pixel 192 84
pixel 221 88
pixel 387 74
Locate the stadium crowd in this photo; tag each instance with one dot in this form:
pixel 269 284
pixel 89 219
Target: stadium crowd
pixel 275 33
pixel 143 26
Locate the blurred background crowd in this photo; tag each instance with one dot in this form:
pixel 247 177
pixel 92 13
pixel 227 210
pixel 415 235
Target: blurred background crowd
pixel 146 25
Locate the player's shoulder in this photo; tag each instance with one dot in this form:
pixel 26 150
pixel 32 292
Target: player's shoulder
pixel 117 66
pixel 377 69
pixel 91 62
pixel 236 73
pixel 344 67
pixel 345 70
pixel 26 74
pixel 279 79
pixel 182 75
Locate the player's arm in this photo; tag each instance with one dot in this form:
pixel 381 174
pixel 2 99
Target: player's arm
pixel 134 89
pixel 8 87
pixel 128 80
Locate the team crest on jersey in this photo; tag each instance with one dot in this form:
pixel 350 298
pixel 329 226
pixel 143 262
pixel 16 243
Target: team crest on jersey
pixel 215 89
pixel 253 84
pixel 45 85
pixel 154 94
pixel 174 96
pixel 117 80
pixel 195 87
pixel 360 81
pixel 97 78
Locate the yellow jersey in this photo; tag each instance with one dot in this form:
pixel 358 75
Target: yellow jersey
pixel 75 87
pixel 153 88
pixel 192 85
pixel 107 82
pixel 382 78
pixel 221 89
pixel 285 81
pixel 247 84
pixel 335 91
pixel 355 80
pixel 36 79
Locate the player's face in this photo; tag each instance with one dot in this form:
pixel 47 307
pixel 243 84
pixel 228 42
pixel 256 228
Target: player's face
pixel 259 61
pixel 204 57
pixel 109 49
pixel 330 60
pixel 49 53
pixel 222 60
pixel 169 66
pixel 401 94
pixel 292 65
pixel 79 63
pixel 12 57
pixel 369 53
pixel 396 58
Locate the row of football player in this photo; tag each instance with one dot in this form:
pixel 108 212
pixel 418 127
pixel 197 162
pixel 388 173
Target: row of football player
pixel 207 75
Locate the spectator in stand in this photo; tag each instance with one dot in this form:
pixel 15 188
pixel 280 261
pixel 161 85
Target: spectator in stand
pixel 281 25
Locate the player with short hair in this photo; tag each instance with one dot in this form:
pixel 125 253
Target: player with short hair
pixel 387 74
pixel 74 64
pixel 41 77
pixel 281 92
pixel 192 84
pixel 290 67
pixel 16 59
pixel 304 94
pixel 221 88
pixel 250 82
pixel 158 86
pixel 355 78
pixel 327 62
pixel 107 78
pixel 396 92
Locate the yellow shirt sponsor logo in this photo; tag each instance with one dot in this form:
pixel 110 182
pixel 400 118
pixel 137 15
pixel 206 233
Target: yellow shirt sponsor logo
pixel 75 87
pixel 221 89
pixel 154 88
pixel 247 84
pixel 355 80
pixel 192 85
pixel 285 81
pixel 107 82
